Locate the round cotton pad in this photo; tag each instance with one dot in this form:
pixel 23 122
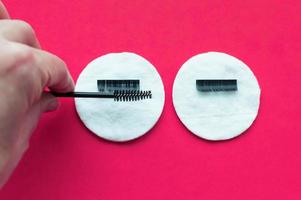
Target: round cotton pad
pixel 216 115
pixel 120 121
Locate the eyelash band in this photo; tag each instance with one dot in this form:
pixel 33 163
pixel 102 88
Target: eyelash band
pixel 216 85
pixel 120 85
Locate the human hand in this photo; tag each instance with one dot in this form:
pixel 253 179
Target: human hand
pixel 25 71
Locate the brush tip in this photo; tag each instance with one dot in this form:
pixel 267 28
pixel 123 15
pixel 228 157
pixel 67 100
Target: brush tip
pixel 131 95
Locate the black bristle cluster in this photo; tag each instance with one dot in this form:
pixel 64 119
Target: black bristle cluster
pixel 131 95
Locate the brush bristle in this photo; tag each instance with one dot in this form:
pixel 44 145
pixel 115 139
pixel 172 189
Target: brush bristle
pixel 131 95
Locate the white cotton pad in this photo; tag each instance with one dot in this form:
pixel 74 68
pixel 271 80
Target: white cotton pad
pixel 120 121
pixel 216 115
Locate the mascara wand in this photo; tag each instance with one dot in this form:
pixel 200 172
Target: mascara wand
pixel 117 95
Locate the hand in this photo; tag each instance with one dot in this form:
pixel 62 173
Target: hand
pixel 25 71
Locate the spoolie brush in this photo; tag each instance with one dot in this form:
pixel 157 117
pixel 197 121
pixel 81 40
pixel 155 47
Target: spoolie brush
pixel 131 95
pixel 117 95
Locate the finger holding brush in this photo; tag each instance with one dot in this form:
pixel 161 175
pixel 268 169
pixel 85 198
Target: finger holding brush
pixel 25 71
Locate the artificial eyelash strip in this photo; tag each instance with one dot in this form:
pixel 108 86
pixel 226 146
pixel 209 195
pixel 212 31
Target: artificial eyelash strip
pixel 112 85
pixel 216 85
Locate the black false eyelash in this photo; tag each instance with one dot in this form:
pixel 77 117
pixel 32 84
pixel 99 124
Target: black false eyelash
pixel 112 85
pixel 215 85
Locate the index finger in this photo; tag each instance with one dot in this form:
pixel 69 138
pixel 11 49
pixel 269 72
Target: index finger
pixel 3 12
pixel 54 72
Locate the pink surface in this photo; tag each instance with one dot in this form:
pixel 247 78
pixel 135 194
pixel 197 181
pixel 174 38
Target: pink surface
pixel 66 161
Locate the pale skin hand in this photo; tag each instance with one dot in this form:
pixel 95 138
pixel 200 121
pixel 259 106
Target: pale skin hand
pixel 25 71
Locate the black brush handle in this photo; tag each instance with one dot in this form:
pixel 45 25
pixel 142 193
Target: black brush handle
pixel 82 94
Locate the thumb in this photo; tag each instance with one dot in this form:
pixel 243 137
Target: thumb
pixel 3 12
pixel 48 103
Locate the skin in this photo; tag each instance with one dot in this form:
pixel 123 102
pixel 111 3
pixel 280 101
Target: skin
pixel 25 72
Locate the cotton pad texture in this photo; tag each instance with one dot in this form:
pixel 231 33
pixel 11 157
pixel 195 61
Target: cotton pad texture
pixel 120 121
pixel 218 115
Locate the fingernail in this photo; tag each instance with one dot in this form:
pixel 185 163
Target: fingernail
pixel 52 105
pixel 71 83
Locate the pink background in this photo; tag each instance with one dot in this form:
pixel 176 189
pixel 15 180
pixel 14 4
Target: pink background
pixel 66 161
